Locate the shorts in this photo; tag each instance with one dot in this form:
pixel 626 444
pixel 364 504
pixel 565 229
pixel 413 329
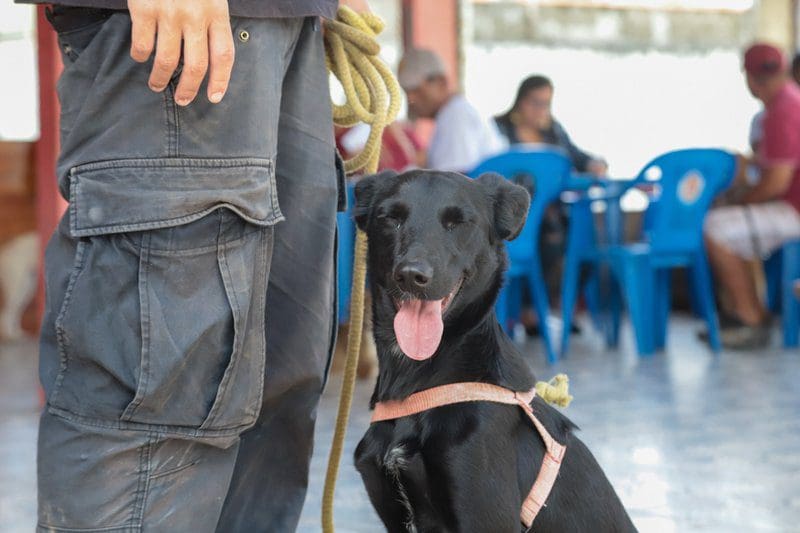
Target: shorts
pixel 753 231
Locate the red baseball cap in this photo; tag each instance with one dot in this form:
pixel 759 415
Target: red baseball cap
pixel 762 58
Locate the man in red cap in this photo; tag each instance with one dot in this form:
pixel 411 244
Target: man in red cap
pixel 769 214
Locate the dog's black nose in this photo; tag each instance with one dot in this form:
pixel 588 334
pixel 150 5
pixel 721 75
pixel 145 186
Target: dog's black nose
pixel 412 275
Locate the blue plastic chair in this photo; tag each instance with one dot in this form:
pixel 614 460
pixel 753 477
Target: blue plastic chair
pixel 790 306
pixel 781 269
pixel 585 248
pixel 346 242
pixel 547 169
pixel 682 186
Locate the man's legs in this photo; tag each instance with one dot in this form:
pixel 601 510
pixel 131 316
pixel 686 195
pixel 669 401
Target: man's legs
pixel 271 475
pixel 735 235
pixel 734 274
pixel 153 347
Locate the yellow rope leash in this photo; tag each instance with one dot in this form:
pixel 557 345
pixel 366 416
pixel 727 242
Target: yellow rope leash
pixel 373 97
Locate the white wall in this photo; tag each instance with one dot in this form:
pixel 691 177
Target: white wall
pixel 19 98
pixel 627 107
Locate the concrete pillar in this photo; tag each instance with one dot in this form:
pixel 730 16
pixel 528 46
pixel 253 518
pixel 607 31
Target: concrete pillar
pixel 434 24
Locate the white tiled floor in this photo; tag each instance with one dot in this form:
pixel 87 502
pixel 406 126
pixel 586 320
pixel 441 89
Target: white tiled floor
pixel 692 442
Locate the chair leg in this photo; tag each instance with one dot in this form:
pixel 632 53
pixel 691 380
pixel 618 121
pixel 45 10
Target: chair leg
pixel 539 295
pixel 704 289
pixel 611 296
pixel 790 307
pixel 773 274
pixel 661 307
pixel 637 284
pixel 591 293
pixel 569 293
pixel 514 302
pixel 501 308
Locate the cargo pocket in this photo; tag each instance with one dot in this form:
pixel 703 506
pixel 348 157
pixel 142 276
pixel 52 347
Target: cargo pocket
pixel 163 326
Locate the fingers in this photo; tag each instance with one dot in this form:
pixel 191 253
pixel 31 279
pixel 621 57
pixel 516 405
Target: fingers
pixel 220 45
pixel 168 53
pixel 143 33
pixel 195 65
pixel 201 28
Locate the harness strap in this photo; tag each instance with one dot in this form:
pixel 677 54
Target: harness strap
pixel 486 392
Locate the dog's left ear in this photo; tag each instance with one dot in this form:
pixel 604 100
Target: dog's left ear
pixel 366 191
pixel 510 202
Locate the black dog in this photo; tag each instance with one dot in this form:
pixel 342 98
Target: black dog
pixel 436 261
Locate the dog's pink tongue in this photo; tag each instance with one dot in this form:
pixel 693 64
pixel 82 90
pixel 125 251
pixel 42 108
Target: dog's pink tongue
pixel 418 327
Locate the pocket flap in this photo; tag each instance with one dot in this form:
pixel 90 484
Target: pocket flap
pixel 142 194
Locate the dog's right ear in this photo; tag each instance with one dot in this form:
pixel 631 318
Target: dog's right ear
pixel 366 191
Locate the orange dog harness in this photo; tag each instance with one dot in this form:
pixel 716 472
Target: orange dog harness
pixel 485 392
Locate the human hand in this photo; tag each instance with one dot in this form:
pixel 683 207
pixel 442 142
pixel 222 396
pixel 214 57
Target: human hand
pixel 203 27
pixel 597 168
pixel 742 164
pixel 359 6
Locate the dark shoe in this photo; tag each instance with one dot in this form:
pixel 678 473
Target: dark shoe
pixel 726 321
pixel 746 337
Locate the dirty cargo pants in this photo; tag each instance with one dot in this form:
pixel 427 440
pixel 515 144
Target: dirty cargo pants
pixel 190 288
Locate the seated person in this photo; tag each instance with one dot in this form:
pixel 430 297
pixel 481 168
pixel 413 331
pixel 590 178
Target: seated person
pixel 530 121
pixel 768 214
pixel 461 138
pixel 401 148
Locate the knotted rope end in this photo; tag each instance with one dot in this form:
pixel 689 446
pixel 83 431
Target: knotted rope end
pixel 555 391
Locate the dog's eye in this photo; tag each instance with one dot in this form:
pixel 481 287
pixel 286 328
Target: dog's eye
pixel 390 221
pixel 452 217
pixel 450 225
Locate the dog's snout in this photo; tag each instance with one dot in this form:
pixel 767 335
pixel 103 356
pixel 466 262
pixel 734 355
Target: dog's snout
pixel 412 275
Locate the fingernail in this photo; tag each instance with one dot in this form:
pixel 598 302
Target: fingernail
pixel 216 97
pixel 156 88
pixel 182 100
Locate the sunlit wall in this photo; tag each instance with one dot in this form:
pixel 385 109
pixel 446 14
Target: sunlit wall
pixel 629 84
pixel 18 90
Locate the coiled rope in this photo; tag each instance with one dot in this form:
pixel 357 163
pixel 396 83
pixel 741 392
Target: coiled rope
pixel 373 97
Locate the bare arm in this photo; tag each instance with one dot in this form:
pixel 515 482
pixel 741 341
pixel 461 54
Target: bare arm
pixel 775 180
pixel 359 6
pixel 742 164
pixel 201 27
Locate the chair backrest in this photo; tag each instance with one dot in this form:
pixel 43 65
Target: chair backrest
pixel 682 185
pixel 344 256
pixel 544 171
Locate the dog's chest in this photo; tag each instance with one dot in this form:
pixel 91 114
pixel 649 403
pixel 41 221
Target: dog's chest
pixel 396 462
